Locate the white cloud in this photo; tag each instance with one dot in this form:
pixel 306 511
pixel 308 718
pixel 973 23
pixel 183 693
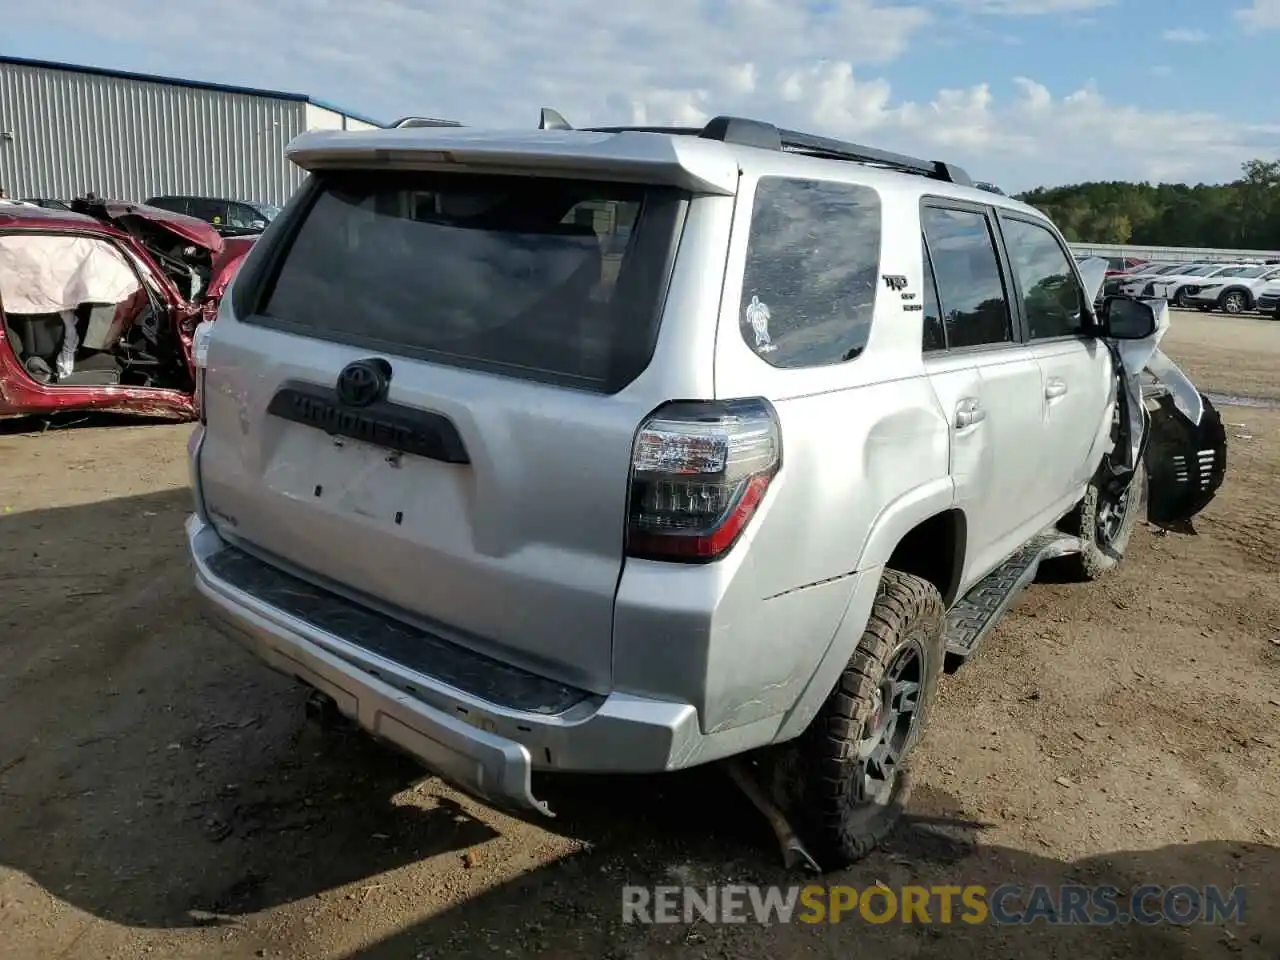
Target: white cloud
pixel 1032 8
pixel 663 61
pixel 1184 35
pixel 1260 15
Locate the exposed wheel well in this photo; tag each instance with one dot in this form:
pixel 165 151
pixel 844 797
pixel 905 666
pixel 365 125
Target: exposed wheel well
pixel 934 551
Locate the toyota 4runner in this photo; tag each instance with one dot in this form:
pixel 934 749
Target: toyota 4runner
pixel 627 450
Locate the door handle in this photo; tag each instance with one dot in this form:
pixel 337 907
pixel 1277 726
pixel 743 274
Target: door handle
pixel 968 412
pixel 1055 388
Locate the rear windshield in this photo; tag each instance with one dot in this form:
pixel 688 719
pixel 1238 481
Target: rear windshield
pixel 547 279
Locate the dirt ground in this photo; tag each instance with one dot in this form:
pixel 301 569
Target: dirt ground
pixel 162 795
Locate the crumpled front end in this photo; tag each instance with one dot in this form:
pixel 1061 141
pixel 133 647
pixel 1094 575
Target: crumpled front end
pixel 1171 427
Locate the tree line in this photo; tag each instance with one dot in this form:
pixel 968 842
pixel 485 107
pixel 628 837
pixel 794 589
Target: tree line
pixel 1242 215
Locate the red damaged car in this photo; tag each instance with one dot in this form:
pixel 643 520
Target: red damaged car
pixel 98 306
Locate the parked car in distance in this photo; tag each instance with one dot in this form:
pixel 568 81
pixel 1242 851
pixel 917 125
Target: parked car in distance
pixel 99 304
pixel 231 218
pixel 749 480
pixel 1268 303
pixel 1177 285
pixel 1142 284
pixel 1122 265
pixel 1232 294
pixel 1114 281
pixel 48 202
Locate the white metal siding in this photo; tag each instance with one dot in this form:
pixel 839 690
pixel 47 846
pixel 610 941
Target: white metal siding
pixel 320 118
pixel 1173 254
pixel 64 132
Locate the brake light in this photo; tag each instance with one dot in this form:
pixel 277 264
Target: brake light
pixel 200 343
pixel 699 471
pixel 200 360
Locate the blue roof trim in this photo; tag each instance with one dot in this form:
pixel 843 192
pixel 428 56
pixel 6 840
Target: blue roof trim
pixel 179 82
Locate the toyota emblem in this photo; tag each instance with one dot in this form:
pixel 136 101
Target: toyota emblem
pixel 364 382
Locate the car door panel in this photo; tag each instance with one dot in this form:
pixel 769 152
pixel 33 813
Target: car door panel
pixel 1020 490
pixel 1077 372
pixel 958 386
pixel 987 383
pixel 1077 394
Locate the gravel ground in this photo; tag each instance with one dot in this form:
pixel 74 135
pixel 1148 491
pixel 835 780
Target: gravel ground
pixel 161 793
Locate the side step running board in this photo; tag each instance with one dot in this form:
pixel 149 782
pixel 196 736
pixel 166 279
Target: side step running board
pixel 974 615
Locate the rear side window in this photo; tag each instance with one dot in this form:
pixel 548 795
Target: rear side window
pixel 556 280
pixel 975 311
pixel 208 210
pixel 176 204
pixel 813 259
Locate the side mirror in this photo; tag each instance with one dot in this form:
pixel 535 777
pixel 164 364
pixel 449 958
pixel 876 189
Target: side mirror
pixel 258 225
pixel 1124 318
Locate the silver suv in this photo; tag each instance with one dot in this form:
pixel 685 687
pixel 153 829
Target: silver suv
pixel 628 450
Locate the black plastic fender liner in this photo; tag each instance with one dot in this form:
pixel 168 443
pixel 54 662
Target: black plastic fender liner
pixel 1186 464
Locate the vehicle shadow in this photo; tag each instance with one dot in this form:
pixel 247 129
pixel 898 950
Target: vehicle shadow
pixel 696 833
pixel 151 772
pixel 154 775
pixel 74 420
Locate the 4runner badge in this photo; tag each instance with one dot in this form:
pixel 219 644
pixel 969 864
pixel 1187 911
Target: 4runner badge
pixel 758 316
pixel 895 281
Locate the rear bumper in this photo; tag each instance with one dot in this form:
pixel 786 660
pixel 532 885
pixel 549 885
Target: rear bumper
pixel 486 747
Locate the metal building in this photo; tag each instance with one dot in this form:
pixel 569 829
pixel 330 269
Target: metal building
pixel 1174 254
pixel 67 129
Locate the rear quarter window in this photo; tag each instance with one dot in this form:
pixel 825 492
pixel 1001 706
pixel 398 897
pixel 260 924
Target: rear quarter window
pixel 813 259
pixel 549 279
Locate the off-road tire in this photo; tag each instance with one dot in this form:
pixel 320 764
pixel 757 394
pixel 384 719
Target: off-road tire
pixel 1096 559
pixel 838 829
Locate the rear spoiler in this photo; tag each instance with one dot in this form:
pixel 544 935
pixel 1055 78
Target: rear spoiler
pixel 689 163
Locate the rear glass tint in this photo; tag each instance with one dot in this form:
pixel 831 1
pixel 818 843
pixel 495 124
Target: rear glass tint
pixel 546 279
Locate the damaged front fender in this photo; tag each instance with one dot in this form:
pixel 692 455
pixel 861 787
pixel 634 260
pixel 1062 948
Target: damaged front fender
pixel 1181 440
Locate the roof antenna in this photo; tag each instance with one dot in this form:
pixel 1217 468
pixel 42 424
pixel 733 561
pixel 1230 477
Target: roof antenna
pixel 551 120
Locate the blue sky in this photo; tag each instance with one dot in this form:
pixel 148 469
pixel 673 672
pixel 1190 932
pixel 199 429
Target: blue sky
pixel 1023 92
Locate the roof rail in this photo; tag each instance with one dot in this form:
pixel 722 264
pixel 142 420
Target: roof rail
pixel 425 122
pixel 745 132
pixel 989 187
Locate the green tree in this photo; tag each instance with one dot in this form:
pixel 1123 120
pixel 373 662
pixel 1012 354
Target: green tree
pixel 1243 214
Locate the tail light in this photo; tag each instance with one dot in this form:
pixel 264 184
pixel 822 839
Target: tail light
pixel 200 360
pixel 699 471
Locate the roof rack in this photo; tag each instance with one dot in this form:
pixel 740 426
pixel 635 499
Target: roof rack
pixel 756 133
